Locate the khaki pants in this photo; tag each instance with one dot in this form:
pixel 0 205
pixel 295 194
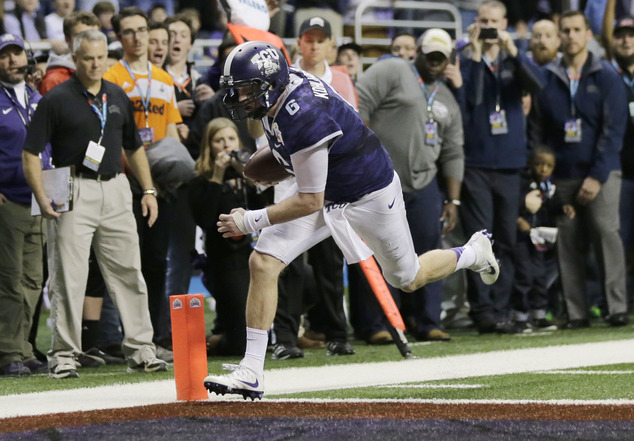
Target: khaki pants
pixel 597 222
pixel 21 244
pixel 101 217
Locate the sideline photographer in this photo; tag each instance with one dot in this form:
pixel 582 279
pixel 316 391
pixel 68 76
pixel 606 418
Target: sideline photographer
pixel 218 188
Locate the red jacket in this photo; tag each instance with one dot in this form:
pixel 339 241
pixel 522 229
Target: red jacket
pixel 54 76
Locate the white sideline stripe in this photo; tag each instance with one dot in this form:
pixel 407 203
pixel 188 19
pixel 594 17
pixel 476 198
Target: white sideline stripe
pixel 311 379
pixel 613 402
pixel 587 372
pixel 434 386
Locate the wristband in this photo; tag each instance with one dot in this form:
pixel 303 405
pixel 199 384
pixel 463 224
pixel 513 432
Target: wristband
pixel 252 220
pixel 456 202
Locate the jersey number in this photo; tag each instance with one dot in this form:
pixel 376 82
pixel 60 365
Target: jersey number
pixel 292 107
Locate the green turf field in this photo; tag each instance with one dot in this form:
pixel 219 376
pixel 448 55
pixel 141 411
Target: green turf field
pixel 542 386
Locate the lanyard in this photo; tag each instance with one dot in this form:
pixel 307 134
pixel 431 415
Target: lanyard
pixel 148 92
pixel 19 108
pixel 574 86
pixel 495 69
pixel 181 86
pixel 102 115
pixel 430 98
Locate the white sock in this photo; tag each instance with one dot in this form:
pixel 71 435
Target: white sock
pixel 466 257
pixel 254 356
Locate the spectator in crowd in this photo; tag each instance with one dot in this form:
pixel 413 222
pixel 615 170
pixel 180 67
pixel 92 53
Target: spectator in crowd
pixel 26 21
pixel 404 46
pixel 622 49
pixel 495 151
pixel 21 237
pixel 335 157
pixel 104 11
pixel 193 17
pixel 157 13
pixel 349 55
pixel 314 42
pixel 158 43
pixel 328 315
pixel 416 116
pixel 113 236
pixel 219 188
pixel 540 204
pixel 189 96
pixel 582 115
pixel 156 118
pixel 545 42
pixel 59 68
pixel 55 24
pixel 190 92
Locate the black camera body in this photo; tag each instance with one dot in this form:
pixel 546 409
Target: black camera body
pixel 488 34
pixel 238 159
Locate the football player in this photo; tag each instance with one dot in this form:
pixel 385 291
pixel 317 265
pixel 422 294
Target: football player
pixel 346 187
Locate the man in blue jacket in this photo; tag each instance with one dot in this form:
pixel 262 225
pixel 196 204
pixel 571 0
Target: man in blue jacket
pixel 20 233
pixel 495 151
pixel 582 115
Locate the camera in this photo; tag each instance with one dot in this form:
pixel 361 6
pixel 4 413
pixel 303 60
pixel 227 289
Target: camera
pixel 242 156
pixel 238 159
pixel 488 34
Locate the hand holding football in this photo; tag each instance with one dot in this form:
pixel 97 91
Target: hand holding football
pixel 263 168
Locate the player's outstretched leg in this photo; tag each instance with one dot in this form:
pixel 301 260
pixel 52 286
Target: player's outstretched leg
pixel 242 381
pixel 477 255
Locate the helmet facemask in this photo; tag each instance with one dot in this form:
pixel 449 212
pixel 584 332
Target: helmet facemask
pixel 259 96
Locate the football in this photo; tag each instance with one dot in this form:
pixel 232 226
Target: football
pixel 263 168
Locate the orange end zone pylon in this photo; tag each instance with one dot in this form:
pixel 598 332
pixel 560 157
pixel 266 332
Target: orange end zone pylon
pixel 189 345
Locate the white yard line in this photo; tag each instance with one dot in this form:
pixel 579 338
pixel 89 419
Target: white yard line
pixel 556 372
pixel 310 379
pixel 434 386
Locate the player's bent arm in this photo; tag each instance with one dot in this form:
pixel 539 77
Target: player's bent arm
pixel 299 205
pixel 311 172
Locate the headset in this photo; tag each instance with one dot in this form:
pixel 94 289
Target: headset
pixel 30 58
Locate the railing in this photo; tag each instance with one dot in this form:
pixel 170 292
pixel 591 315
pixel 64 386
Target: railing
pixel 360 23
pixel 371 6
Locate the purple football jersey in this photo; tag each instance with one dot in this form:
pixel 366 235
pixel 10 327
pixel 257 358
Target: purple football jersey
pixel 312 114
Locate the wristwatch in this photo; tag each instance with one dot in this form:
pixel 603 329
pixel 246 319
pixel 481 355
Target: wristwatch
pixel 151 191
pixel 456 202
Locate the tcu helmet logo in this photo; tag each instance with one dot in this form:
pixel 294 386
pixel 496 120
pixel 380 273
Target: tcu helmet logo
pixel 267 61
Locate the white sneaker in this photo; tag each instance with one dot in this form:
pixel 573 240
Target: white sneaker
pixel 63 370
pixel 485 263
pixel 242 381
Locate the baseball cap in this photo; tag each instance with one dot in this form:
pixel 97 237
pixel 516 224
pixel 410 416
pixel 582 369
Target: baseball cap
pixel 435 40
pixel 315 23
pixel 624 23
pixel 11 40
